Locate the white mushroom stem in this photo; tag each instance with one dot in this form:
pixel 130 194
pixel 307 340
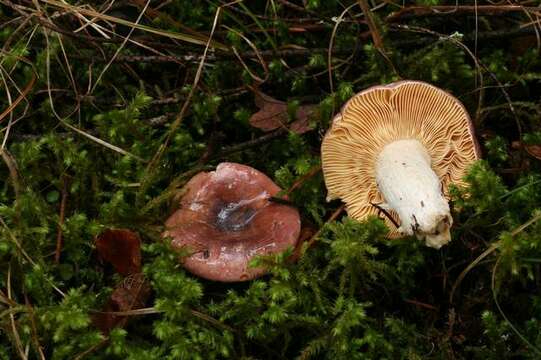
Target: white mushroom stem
pixel 412 189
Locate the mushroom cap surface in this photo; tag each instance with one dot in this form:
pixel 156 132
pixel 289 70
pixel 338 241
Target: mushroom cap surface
pixel 225 218
pixel 380 115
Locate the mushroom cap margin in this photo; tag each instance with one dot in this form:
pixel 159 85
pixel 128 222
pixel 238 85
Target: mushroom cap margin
pixel 224 254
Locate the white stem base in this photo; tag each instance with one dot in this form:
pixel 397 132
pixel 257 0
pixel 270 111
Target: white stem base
pixel 412 189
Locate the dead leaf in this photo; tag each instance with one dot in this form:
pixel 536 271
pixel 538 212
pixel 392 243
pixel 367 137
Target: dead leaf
pixel 273 115
pixel 122 249
pixel 131 294
pixel 534 150
pixel 303 115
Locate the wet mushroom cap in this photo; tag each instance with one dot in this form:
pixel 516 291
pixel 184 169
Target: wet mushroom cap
pixel 384 114
pixel 225 218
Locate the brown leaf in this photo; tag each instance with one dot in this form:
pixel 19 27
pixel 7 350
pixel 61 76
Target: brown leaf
pixel 273 114
pixel 132 293
pixel 303 115
pixel 534 150
pixel 122 249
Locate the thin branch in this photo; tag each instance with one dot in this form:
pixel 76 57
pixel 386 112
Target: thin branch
pixel 312 172
pixel 119 49
pixel 376 36
pixel 15 180
pixel 62 216
pixel 228 150
pixel 440 11
pixel 331 218
pixel 386 213
pixel 16 336
pixel 493 247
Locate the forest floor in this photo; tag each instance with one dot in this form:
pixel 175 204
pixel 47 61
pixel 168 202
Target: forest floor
pixel 108 108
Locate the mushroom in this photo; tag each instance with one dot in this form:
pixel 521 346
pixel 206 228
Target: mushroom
pixel 226 218
pixel 395 149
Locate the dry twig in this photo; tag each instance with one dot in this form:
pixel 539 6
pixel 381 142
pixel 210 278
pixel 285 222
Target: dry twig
pixel 59 233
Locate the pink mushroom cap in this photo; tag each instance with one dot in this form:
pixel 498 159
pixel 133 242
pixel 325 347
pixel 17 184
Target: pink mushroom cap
pixel 225 218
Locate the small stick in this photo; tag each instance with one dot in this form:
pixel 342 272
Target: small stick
pixel 313 171
pixel 376 36
pixel 13 171
pixel 250 143
pixel 333 217
pixel 34 328
pixel 280 201
pixel 421 304
pixel 386 213
pixel 299 8
pixel 452 10
pixel 61 220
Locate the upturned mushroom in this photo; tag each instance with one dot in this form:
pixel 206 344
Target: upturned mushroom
pixel 226 218
pixel 395 149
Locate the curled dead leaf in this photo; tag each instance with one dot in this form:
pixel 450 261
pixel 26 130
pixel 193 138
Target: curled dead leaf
pixel 121 248
pixel 273 114
pixel 131 294
pixel 534 150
